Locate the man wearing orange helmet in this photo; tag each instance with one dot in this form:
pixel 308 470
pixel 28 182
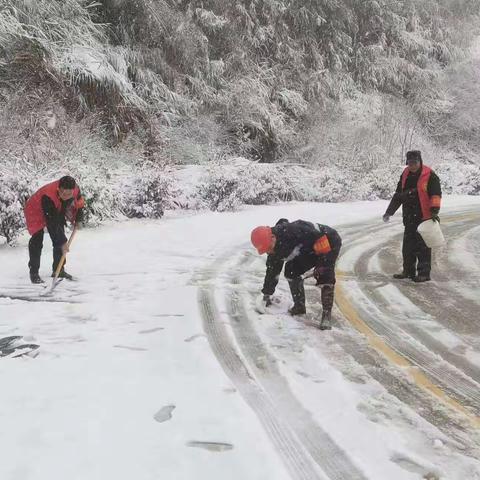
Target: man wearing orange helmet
pixel 301 246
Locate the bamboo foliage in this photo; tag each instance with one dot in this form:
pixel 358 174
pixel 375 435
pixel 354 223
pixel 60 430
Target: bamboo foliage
pixel 254 64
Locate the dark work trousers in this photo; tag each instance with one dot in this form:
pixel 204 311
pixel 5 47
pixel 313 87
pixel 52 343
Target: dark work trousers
pixel 415 250
pixel 35 246
pixel 302 263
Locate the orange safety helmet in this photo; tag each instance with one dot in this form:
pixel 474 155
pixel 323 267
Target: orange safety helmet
pixel 262 239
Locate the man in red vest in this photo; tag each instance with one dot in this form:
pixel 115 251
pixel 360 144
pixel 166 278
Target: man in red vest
pixel 50 207
pixel 420 194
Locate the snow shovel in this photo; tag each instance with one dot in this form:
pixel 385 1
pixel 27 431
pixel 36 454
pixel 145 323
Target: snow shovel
pixel 61 262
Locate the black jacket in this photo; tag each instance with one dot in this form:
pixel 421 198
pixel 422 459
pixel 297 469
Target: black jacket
pixel 408 198
pixel 294 239
pixel 55 219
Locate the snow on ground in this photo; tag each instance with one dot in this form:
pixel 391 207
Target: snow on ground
pixel 128 341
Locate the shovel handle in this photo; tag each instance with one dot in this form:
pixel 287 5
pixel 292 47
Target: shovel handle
pixel 62 259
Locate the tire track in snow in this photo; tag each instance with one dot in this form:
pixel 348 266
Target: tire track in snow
pixel 445 301
pixel 402 349
pixel 44 299
pixel 398 322
pixel 295 457
pixel 401 359
pixel 463 261
pixel 308 451
pixel 456 427
pixel 439 311
pixel 333 460
pixel 251 376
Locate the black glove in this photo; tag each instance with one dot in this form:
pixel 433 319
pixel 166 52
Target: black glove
pixel 386 217
pixel 267 300
pixel 435 217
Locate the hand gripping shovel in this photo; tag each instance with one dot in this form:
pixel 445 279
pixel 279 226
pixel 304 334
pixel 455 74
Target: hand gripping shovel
pixel 55 280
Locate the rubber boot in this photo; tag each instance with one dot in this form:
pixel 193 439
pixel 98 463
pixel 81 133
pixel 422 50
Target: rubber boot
pixel 35 278
pixel 298 295
pixel 326 323
pixel 327 305
pixel 421 278
pixel 401 276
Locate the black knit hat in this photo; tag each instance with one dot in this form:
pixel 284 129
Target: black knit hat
pixel 414 155
pixel 67 183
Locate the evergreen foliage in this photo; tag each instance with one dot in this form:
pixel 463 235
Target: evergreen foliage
pixel 14 192
pixel 256 66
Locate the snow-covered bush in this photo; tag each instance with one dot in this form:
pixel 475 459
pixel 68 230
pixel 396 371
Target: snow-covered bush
pixel 101 196
pixel 226 187
pixel 149 194
pixel 266 184
pixel 14 192
pixel 219 190
pixel 381 182
pixel 459 178
pixel 97 169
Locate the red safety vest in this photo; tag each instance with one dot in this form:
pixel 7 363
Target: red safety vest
pixel 426 202
pixel 33 208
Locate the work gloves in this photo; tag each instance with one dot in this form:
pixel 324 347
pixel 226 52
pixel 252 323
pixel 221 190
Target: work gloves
pixel 262 302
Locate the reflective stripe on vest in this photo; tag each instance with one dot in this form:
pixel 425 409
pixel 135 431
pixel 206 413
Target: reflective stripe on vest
pixel 322 246
pixel 436 201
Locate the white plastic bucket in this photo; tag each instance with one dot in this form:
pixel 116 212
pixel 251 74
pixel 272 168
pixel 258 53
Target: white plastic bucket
pixel 431 233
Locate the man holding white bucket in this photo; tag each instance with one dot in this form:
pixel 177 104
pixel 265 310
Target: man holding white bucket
pixel 420 194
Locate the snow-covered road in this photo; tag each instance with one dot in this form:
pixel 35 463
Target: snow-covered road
pixel 434 325
pixel 155 364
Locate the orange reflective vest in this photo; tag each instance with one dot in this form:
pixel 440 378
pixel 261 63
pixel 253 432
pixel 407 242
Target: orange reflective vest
pixel 426 201
pixel 33 212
